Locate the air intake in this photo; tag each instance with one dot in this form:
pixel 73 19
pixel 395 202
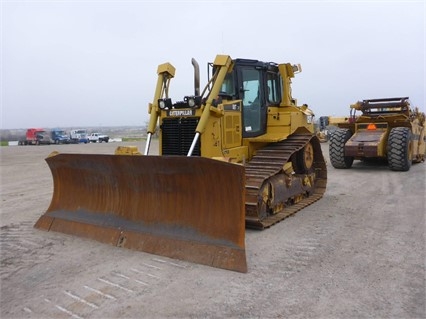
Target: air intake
pixel 178 134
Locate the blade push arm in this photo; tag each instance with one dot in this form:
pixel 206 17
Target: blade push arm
pixel 166 72
pixel 223 63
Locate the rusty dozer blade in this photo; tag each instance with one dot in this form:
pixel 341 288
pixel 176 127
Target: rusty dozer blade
pixel 188 208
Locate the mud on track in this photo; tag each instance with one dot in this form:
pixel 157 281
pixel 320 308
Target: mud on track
pixel 357 252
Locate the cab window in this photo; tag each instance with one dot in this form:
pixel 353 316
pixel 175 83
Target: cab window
pixel 274 88
pixel 252 102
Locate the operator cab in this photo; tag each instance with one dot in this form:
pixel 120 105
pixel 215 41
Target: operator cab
pixel 258 85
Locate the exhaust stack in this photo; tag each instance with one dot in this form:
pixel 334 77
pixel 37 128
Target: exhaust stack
pixel 196 77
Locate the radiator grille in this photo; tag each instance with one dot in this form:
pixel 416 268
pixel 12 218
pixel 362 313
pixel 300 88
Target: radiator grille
pixel 178 134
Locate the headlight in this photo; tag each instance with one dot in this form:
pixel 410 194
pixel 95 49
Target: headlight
pixel 191 102
pixel 165 104
pixel 162 104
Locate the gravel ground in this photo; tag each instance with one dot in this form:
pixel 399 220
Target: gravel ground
pixel 359 252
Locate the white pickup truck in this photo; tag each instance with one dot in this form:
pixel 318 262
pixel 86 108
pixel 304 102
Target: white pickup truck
pixel 98 137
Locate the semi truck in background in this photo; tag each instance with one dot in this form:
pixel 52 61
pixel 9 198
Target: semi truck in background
pixel 59 136
pixel 35 136
pixel 79 136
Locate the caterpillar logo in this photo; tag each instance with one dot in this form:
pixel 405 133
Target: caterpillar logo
pixel 178 113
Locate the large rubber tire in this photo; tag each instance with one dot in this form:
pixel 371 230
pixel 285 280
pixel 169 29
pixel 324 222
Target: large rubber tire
pixel 336 150
pixel 399 149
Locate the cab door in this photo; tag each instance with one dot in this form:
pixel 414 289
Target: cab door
pixel 252 94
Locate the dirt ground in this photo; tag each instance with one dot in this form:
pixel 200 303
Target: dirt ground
pixel 359 252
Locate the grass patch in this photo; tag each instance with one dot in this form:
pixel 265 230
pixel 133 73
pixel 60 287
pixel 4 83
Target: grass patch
pixel 4 143
pixel 133 139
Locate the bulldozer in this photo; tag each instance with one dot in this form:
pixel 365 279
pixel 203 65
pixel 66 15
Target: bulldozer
pixel 387 129
pixel 239 153
pixel 326 124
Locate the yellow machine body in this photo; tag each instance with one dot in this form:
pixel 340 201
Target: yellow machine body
pixel 388 128
pixel 240 153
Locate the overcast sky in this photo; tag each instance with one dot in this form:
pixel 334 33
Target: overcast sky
pixel 94 63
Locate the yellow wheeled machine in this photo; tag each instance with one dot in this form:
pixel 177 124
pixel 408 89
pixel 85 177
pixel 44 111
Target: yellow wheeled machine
pixel 388 128
pixel 239 153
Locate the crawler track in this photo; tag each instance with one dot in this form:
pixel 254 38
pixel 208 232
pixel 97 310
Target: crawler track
pixel 269 162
